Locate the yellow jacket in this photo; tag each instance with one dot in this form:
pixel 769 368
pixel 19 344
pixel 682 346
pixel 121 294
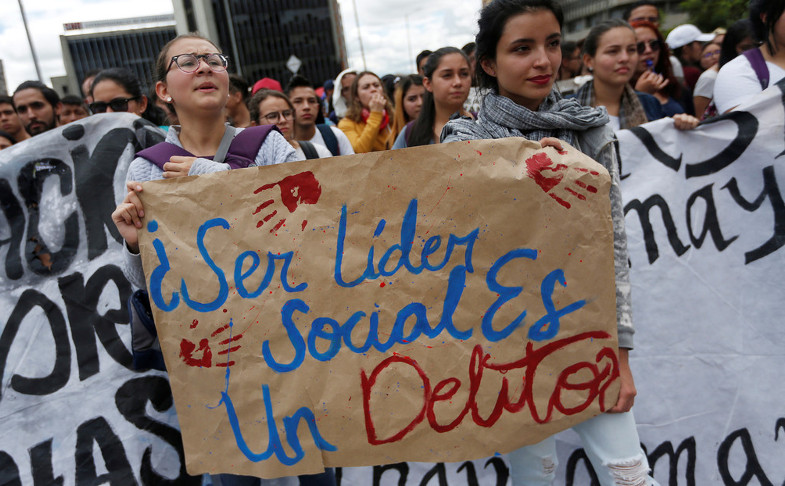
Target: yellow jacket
pixel 366 137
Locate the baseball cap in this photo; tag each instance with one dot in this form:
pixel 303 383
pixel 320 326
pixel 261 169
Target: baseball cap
pixel 267 83
pixel 684 34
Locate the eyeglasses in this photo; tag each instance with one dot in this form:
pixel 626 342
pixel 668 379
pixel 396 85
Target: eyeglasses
pixel 117 105
pixel 711 54
pixel 189 63
pixel 654 45
pixel 653 20
pixel 276 115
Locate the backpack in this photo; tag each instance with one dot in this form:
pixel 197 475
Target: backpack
pixel 239 152
pixel 309 150
pixel 758 63
pixel 330 139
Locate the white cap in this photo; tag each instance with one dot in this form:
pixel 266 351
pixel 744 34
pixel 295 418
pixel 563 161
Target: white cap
pixel 685 34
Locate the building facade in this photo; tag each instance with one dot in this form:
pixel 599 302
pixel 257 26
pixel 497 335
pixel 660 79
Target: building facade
pixel 259 36
pixel 131 43
pixel 581 15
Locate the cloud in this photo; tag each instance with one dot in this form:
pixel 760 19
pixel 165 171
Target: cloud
pixel 388 47
pixel 45 20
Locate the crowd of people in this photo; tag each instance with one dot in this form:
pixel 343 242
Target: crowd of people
pixel 628 66
pixel 519 78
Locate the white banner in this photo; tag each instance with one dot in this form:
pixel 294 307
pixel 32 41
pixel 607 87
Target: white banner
pixel 705 227
pixel 705 222
pixel 72 409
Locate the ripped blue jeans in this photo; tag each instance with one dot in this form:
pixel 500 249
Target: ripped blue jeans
pixel 611 443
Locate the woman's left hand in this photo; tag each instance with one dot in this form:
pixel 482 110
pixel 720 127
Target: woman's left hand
pixel 552 142
pixel 627 391
pixel 178 166
pixel 683 121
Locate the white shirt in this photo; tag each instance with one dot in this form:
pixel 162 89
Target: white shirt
pixel 321 150
pixel 737 83
pixel 615 123
pixel 678 71
pixel 705 85
pixel 344 145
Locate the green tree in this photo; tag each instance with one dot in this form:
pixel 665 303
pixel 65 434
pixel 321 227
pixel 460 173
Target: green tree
pixel 710 14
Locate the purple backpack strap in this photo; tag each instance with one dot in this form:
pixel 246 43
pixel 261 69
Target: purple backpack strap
pixel 242 151
pixel 246 144
pixel 160 153
pixel 758 63
pixel 408 128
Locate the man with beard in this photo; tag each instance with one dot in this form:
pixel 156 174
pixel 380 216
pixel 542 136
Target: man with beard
pixel 37 106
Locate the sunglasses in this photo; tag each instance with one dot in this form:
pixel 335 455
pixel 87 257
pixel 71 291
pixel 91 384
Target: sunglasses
pixel 654 45
pixel 117 105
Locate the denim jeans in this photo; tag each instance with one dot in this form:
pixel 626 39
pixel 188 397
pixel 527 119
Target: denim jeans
pixel 611 443
pixel 327 478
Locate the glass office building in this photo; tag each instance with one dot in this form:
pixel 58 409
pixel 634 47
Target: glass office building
pixel 131 43
pixel 260 35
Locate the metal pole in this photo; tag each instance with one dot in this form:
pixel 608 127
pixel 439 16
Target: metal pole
pixel 359 34
pixel 30 41
pixel 232 38
pixel 409 41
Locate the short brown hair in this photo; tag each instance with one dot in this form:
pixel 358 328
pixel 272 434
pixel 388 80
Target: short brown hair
pixel 261 95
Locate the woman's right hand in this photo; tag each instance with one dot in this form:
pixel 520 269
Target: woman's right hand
pixel 377 102
pixel 650 82
pixel 127 217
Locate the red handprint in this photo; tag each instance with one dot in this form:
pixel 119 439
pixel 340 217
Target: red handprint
pixel 302 188
pixel 188 349
pixel 540 162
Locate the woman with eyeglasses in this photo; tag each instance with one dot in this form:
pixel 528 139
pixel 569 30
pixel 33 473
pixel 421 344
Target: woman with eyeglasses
pixel 116 90
pixel 191 77
pixel 611 53
pixel 654 74
pixel 368 120
pixel 270 107
pixel 704 87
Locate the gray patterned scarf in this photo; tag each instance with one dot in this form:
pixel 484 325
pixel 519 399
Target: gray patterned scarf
pixel 501 117
pixel 631 113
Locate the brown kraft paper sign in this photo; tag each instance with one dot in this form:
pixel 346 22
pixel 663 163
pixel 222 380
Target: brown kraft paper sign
pixel 439 303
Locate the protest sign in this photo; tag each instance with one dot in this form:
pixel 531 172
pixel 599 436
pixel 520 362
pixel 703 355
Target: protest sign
pixel 705 226
pixel 707 359
pixel 438 303
pixel 73 411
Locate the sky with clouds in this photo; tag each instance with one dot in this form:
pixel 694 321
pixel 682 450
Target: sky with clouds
pixel 389 47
